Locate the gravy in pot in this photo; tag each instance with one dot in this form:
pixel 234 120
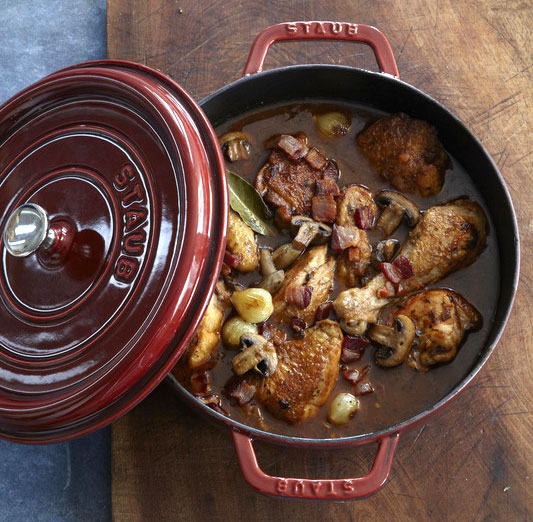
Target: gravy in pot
pixel 400 392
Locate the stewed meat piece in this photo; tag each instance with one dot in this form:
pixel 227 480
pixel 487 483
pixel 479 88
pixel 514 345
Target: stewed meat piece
pixel 241 242
pixel 441 318
pixel 288 181
pixel 306 373
pixel 306 285
pixel 447 237
pixel 356 214
pixel 406 152
pixel 205 342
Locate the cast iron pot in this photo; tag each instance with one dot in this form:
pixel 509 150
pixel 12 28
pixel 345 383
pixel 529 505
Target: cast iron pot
pixel 384 91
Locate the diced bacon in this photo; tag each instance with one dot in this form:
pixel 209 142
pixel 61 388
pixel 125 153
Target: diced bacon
pixel 397 270
pixel 331 171
pixel 240 391
pixel 390 272
pixel 343 237
pixel 364 217
pixel 315 159
pixel 353 347
pixel 299 295
pixel 363 388
pixel 403 267
pixel 298 325
pixel 323 310
pixel 293 147
pixel 324 208
pixel 213 401
pixel 354 375
pixel 200 383
pixel 327 186
pixel 232 260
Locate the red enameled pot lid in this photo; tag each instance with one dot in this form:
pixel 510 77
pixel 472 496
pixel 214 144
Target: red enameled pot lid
pixel 125 171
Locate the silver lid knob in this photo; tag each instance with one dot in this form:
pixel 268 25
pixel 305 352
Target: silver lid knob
pixel 28 229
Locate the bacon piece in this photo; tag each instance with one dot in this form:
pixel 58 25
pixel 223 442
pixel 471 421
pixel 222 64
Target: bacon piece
pixel 299 295
pixel 200 383
pixel 239 391
pixel 298 325
pixel 354 375
pixel 364 217
pixel 403 267
pixel 324 208
pixel 327 186
pixel 390 272
pixel 399 269
pixel 363 388
pixel 343 237
pixel 323 310
pixel 315 159
pixel 331 171
pixel 353 347
pixel 293 147
pixel 214 402
pixel 232 260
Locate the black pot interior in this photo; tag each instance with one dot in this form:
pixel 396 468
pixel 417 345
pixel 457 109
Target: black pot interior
pixel 379 91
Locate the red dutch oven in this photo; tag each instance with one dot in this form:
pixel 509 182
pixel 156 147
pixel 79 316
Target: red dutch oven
pixel 113 203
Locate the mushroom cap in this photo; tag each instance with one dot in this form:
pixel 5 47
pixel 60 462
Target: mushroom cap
pixel 396 340
pixel 411 213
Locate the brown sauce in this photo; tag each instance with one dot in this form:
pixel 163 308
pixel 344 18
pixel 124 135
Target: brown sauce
pixel 401 392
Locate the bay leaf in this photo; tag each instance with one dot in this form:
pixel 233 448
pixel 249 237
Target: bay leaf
pixel 247 202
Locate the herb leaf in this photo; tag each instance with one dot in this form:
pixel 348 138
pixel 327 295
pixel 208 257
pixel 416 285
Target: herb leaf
pixel 246 201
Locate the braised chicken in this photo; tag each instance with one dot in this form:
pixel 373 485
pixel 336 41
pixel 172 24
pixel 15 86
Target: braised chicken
pixel 306 373
pixel 441 318
pixel 206 339
pixel 448 237
pixel 307 284
pixel 406 152
pixel 312 321
pixel 242 243
pixel 288 181
pixel 356 213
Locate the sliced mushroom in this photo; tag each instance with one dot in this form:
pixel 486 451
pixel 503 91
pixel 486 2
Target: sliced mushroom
pixel 272 278
pixel 236 145
pixel 396 340
pixel 285 255
pixel 256 353
pixel 384 252
pixel 308 231
pixel 396 208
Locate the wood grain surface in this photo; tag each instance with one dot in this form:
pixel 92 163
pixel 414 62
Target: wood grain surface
pixel 473 461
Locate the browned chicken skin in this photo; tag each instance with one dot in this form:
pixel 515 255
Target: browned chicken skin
pixel 406 152
pixel 306 374
pixel 448 237
pixel 441 318
pixel 353 263
pixel 241 241
pixel 314 269
pixel 288 179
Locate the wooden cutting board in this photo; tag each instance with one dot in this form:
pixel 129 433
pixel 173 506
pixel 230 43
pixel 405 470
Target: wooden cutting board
pixel 473 461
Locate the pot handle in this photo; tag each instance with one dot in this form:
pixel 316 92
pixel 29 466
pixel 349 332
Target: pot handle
pixel 321 31
pixel 315 489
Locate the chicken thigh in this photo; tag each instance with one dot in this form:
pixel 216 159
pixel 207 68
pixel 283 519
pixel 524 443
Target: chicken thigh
pixel 441 318
pixel 406 152
pixel 306 373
